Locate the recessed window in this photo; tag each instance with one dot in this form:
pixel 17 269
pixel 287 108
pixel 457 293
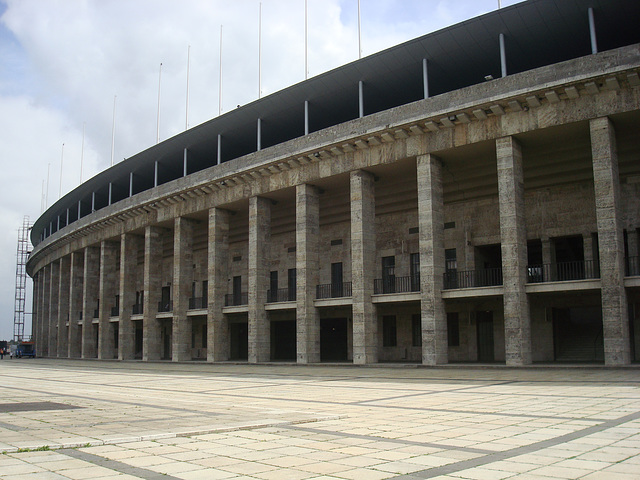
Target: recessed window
pixel 389 338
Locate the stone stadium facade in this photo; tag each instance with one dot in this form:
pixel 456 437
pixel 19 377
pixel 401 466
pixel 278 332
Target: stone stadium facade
pixel 472 195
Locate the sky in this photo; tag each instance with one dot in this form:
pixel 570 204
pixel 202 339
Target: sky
pixel 67 65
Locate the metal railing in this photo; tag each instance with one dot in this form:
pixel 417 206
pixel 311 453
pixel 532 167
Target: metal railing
pixel 485 277
pixel 281 295
pixel 333 290
pixel 396 285
pixel 197 303
pixel 632 266
pixel 563 271
pixel 165 306
pixel 231 300
pixel 137 309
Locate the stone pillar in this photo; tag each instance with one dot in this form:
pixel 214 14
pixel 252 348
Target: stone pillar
pixel 606 182
pixel 63 306
pixel 151 347
pixel 182 280
pixel 513 236
pixel 89 300
pixel 106 344
pixel 363 251
pixel 53 309
pixel 259 235
pixel 75 303
pixel 36 308
pixel 432 264
pixel 307 267
pixel 129 247
pixel 548 260
pixel 44 312
pixel 218 277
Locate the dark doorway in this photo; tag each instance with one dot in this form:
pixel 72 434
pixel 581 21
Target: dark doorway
pixel 237 290
pixel 138 340
pixel 283 340
pixel 388 274
pixel 239 338
pixel 484 322
pixel 577 334
pixel 336 280
pixel 291 284
pixel 333 340
pixel 116 331
pixel 165 301
pixel 166 332
pixel 273 287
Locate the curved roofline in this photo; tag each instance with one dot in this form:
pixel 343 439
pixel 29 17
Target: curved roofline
pixel 459 55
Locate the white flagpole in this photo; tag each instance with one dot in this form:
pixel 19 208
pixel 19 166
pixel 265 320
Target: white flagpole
pixel 359 33
pixel 158 122
pixel 113 128
pixel 306 39
pixel 82 152
pixel 220 82
pixel 42 198
pixel 61 163
pixel 499 4
pixel 260 52
pixel 46 200
pixel 186 121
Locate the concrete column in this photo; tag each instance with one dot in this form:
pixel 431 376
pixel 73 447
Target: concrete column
pixel 307 266
pixel 182 280
pixel 218 276
pixel 259 235
pixel 44 312
pixel 53 309
pixel 129 248
pixel 513 236
pixel 151 347
pixel 432 264
pixel 63 306
pixel 548 259
pixel 35 308
pixel 107 295
pixel 609 214
pixel 363 250
pixel 90 294
pixel 76 281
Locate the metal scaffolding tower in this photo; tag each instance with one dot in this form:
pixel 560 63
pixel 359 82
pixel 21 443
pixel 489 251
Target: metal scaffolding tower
pixel 21 280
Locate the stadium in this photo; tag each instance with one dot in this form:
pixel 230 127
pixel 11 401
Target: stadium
pixel 472 195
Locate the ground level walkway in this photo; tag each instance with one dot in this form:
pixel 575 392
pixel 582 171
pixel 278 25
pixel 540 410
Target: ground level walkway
pixel 66 419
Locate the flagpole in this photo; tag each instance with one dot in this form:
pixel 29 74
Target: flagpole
pixel 158 122
pixel 82 152
pixel 61 163
pixel 260 52
pixel 359 33
pixel 46 200
pixel 113 128
pixel 186 121
pixel 306 39
pixel 220 82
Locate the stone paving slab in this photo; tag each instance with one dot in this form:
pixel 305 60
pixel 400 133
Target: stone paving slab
pixel 125 420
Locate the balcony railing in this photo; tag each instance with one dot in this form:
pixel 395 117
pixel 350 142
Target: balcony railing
pixel 115 311
pixel 632 266
pixel 197 303
pixel 563 271
pixel 333 290
pixel 486 277
pixel 231 300
pixel 165 306
pixel 396 285
pixel 137 309
pixel 281 295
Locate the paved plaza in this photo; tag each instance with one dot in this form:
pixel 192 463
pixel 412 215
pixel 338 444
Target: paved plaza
pixel 65 419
